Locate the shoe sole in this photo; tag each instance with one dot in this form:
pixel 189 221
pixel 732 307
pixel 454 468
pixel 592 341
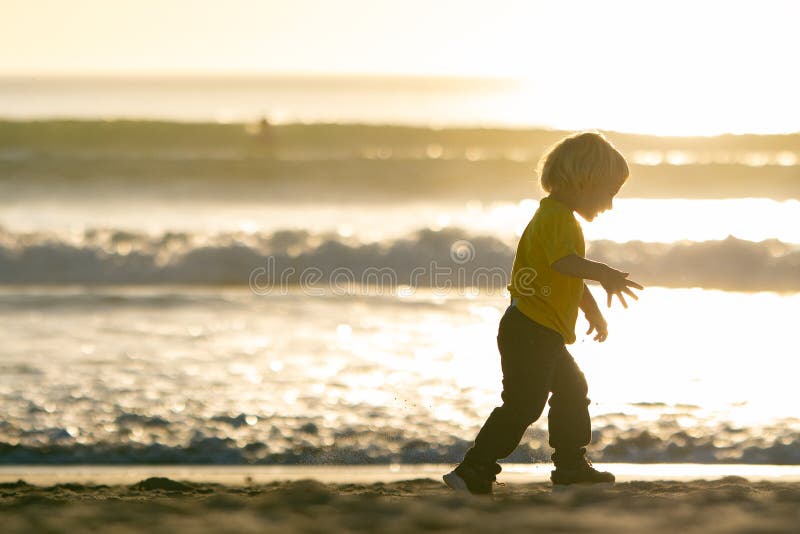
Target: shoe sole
pixel 455 482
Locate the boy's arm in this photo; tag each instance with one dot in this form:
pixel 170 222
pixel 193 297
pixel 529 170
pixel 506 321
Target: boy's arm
pixel 588 305
pixel 593 315
pixel 613 281
pixel 574 265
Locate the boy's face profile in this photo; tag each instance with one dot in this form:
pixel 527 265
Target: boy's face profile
pixel 597 197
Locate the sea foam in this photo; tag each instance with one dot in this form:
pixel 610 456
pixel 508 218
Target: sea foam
pixel 425 258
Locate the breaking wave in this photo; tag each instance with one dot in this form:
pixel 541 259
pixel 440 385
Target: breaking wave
pixel 121 257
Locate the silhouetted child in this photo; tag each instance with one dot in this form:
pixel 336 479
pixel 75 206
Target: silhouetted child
pixel 582 173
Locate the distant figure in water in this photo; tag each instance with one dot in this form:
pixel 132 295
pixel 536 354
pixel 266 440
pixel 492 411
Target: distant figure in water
pixel 265 132
pixel 581 174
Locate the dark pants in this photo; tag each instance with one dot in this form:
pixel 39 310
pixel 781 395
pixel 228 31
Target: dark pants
pixel 535 363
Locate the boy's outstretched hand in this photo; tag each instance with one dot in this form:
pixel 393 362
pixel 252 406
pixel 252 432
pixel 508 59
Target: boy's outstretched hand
pixel 616 283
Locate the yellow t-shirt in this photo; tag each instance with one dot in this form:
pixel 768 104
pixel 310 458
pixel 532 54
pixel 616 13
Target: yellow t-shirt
pixel 543 294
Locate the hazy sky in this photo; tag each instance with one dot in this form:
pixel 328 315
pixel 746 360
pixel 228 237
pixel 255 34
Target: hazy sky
pixel 711 58
pixel 479 37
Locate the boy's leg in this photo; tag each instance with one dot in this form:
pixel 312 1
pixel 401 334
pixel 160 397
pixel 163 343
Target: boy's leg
pixel 528 355
pixel 568 419
pixel 570 427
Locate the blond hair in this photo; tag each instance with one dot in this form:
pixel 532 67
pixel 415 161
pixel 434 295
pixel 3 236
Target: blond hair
pixel 579 160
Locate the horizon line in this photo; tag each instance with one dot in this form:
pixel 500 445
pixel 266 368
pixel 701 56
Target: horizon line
pixel 466 126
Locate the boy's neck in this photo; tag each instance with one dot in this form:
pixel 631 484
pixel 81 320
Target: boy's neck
pixel 564 198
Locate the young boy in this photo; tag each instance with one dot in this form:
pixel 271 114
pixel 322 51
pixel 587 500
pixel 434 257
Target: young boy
pixel 582 173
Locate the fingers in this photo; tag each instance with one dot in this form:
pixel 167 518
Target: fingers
pixel 590 330
pixel 601 336
pixel 631 283
pixel 624 280
pixel 619 293
pixel 630 293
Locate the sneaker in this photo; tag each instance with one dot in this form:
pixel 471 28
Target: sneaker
pixel 581 472
pixel 472 479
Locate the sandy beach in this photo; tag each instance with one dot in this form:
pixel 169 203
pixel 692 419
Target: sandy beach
pixel 161 504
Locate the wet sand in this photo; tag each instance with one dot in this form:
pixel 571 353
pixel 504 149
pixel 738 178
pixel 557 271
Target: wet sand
pixel 160 504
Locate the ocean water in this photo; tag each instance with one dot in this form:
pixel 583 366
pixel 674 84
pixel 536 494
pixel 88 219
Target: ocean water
pixel 216 375
pixel 202 293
